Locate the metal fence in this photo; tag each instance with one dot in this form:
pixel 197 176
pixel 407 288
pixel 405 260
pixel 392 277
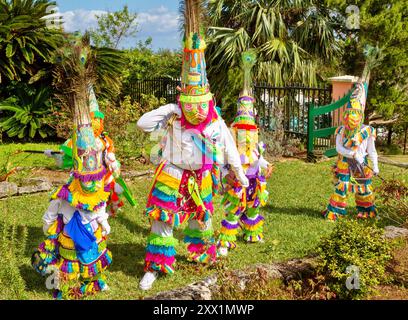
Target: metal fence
pixel 290 104
pixel 293 100
pixel 159 87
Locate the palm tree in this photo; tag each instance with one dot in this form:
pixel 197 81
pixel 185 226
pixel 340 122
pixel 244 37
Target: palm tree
pixel 292 38
pixel 26 44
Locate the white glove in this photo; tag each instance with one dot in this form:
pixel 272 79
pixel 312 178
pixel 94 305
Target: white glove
pixel 359 157
pixel 376 170
pixel 177 110
pixel 105 227
pixel 48 153
pixel 243 179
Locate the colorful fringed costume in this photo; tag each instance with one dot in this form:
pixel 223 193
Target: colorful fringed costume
pixel 355 144
pixel 196 142
pixel 242 204
pixel 64 159
pixel 76 224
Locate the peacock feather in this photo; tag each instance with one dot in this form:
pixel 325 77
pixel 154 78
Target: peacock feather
pixel 249 58
pixel 74 74
pixel 374 56
pixel 194 18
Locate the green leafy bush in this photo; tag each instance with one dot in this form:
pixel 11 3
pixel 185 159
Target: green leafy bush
pixel 354 244
pixel 27 114
pixel 392 149
pixel 393 196
pixel 120 124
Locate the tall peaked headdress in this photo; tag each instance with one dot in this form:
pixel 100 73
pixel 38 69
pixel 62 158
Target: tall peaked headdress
pixel 94 105
pixel 244 125
pixel 245 118
pixel 195 99
pixel 358 98
pixel 75 74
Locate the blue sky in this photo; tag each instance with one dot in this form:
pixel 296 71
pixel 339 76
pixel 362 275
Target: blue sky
pixel 156 18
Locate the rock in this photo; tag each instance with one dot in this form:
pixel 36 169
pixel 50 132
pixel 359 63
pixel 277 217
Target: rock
pixel 7 189
pixel 205 289
pixel 196 291
pixel 34 186
pixel 392 232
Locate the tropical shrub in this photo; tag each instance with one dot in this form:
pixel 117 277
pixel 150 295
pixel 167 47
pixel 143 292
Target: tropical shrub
pixel 27 115
pixel 291 38
pixel 354 246
pixel 393 196
pixel 120 124
pixel 26 44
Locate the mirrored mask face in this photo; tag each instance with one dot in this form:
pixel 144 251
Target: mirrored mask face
pixel 353 119
pixel 87 156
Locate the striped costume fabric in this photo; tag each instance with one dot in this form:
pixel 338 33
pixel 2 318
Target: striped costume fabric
pixel 171 202
pixel 242 207
pixel 76 277
pixel 346 181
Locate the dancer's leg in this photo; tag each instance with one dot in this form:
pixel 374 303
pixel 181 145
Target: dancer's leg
pixel 338 200
pixel 200 236
pixel 365 202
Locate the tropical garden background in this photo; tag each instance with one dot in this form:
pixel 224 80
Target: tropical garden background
pixel 300 44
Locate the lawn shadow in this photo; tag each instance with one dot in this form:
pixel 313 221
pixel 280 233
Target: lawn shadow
pixel 127 258
pixel 33 280
pixel 132 226
pixel 311 212
pixel 34 238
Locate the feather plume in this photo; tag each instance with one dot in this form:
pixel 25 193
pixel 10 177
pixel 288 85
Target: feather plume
pixel 74 74
pixel 249 58
pixel 374 56
pixel 194 19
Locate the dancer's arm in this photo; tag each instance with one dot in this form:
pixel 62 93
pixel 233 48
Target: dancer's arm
pixel 232 155
pixel 157 118
pixel 103 221
pixel 51 214
pixel 110 158
pixel 263 163
pixel 372 153
pixel 341 149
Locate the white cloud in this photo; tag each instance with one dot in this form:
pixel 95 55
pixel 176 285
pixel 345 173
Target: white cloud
pixel 159 20
pixel 81 20
pixel 160 23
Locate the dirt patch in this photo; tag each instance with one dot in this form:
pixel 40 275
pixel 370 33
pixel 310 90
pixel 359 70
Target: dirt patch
pixel 390 292
pixel 54 176
pixel 398 267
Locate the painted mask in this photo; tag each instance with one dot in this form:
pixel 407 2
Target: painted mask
pixel 353 119
pixel 87 155
pixel 195 108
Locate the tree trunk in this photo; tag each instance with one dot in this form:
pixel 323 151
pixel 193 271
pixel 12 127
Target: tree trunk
pixel 389 139
pixel 405 138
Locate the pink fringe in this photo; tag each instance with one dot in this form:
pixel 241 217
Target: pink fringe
pixel 196 247
pixel 159 259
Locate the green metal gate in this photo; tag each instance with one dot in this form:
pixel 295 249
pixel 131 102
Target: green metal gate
pixel 322 123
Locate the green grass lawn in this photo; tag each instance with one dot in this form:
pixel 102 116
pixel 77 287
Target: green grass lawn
pixel 298 193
